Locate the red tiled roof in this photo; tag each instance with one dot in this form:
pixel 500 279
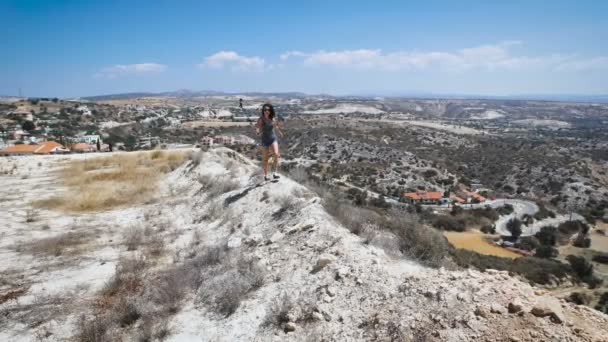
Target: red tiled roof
pixel 42 148
pixel 428 195
pixel 22 148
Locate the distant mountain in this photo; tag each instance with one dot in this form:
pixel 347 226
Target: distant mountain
pixel 186 93
pixel 190 93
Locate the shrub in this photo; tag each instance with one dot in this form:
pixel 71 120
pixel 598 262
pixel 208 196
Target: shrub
pixel 514 227
pixel 580 266
pixel 449 223
pixel 277 315
pixel 601 258
pixel 56 246
pixel 543 213
pixel 487 212
pixel 417 241
pixel 429 173
pixel 488 229
pixel 456 210
pixel 578 298
pixel 582 241
pixel 505 210
pixel 547 235
pixel 92 329
pixel 215 186
pixel 546 252
pixel 225 290
pixel 537 271
pixel 569 228
pixel 528 243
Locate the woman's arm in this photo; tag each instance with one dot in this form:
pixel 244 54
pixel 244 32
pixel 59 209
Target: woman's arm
pixel 277 125
pixel 258 126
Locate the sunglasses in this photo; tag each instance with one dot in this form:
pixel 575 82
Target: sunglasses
pixel 267 109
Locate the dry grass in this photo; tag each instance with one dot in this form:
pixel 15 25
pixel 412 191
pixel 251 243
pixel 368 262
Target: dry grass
pixel 57 245
pixel 109 182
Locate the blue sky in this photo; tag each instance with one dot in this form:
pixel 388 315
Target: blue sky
pixel 78 48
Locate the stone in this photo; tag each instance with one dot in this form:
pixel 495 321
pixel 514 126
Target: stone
pixel 430 294
pixel 331 291
pixel 323 261
pixel 290 326
pixel 317 316
pixel 482 312
pixel 460 297
pixel 514 339
pixel 234 242
pixel 497 309
pixel 277 236
pixel 515 306
pixel 327 316
pixel 547 306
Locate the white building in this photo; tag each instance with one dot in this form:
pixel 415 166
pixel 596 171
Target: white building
pixel 90 139
pixel 207 141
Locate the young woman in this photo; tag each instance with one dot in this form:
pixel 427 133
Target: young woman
pixel 265 128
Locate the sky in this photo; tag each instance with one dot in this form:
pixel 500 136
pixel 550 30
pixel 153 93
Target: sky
pixel 72 48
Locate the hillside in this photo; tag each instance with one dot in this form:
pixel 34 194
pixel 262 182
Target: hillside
pixel 211 254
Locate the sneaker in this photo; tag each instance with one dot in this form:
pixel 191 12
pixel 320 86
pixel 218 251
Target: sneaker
pixel 266 178
pixel 275 176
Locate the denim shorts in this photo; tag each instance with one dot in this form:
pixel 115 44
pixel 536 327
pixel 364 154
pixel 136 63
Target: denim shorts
pixel 269 141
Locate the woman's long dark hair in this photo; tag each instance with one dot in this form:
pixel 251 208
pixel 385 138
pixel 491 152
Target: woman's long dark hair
pixel 269 106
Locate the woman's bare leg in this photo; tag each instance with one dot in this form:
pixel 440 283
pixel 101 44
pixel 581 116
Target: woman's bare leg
pixel 265 160
pixel 277 156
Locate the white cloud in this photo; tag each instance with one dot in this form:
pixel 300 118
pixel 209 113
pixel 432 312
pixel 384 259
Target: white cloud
pixel 126 69
pixel 234 61
pixel 584 64
pixel 484 57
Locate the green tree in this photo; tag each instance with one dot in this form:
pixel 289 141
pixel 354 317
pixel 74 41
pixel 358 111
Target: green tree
pixel 28 126
pixel 514 227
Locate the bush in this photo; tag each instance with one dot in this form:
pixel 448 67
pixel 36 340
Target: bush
pixel 429 173
pixel 417 241
pixel 569 228
pixel 487 212
pixel 488 229
pixel 505 210
pixel 537 271
pixel 456 210
pixel 514 227
pixel 547 235
pixel 546 252
pixel 582 241
pixel 601 258
pixel 543 213
pixel 578 298
pixel 528 243
pixel 449 223
pixel 580 266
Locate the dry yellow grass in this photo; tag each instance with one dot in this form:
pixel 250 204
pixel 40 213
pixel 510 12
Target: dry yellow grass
pixel 474 241
pixel 108 182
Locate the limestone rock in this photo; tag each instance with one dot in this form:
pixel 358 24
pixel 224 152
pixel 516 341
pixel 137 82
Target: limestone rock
pixel 515 306
pixel 290 326
pixel 482 312
pixel 547 306
pixel 497 309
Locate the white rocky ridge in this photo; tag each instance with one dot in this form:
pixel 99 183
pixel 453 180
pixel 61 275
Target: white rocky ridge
pixel 346 108
pixel 340 288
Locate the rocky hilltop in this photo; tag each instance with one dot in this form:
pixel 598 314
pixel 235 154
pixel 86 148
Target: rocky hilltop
pixel 241 261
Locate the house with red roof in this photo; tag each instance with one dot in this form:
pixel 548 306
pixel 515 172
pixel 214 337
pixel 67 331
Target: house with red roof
pixel 423 197
pixel 46 147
